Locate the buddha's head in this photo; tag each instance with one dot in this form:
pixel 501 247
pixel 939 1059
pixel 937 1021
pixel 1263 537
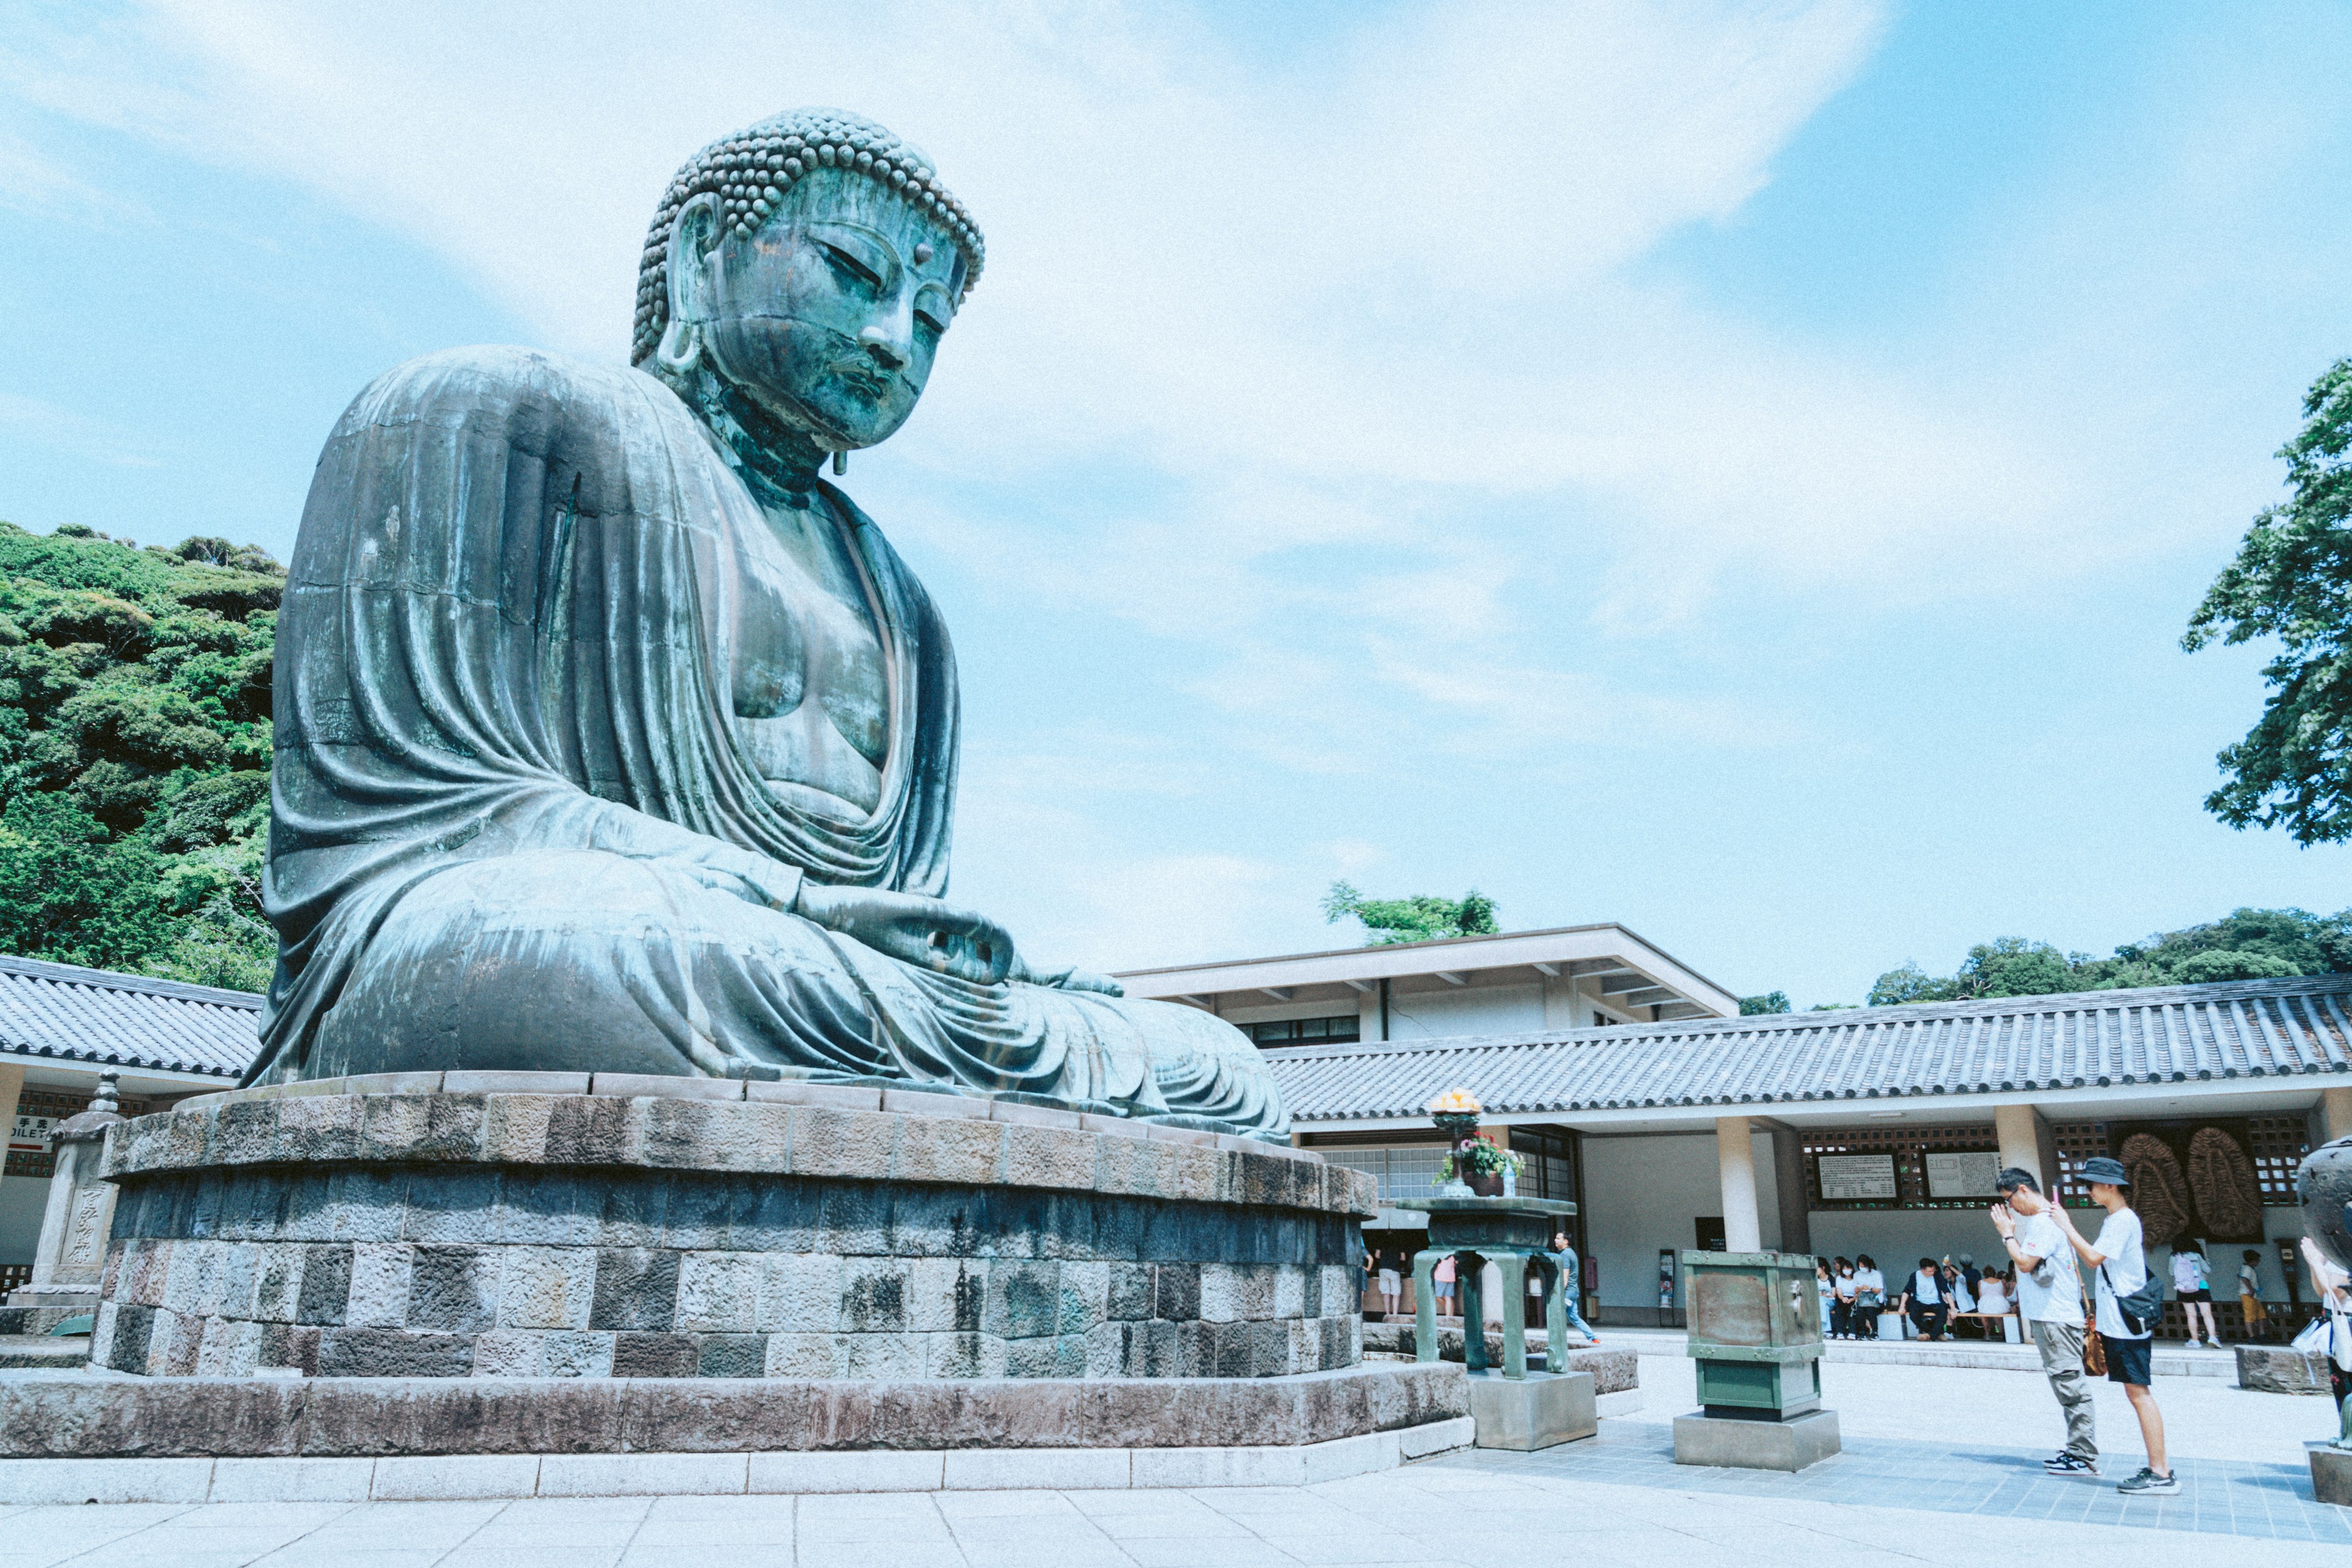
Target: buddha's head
pixel 811 263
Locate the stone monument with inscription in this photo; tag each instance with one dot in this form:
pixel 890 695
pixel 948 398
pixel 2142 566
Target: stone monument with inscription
pixel 69 1260
pixel 624 1037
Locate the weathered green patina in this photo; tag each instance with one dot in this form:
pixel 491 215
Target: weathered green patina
pixel 1513 1233
pixel 1755 1331
pixel 611 738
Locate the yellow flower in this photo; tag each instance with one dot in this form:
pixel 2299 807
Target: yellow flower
pixel 1454 1101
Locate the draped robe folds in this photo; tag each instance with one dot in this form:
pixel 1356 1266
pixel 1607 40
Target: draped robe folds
pixel 512 824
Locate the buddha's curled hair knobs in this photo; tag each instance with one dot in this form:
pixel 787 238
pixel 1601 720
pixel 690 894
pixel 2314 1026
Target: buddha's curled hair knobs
pixel 750 172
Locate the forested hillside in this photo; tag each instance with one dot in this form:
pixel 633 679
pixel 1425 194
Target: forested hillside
pixel 134 753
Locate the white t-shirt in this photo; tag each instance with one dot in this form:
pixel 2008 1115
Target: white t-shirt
pixel 2249 1283
pixel 1926 1288
pixel 2188 1271
pixel 1844 1283
pixel 2060 1299
pixel 2125 1271
pixel 1871 1279
pixel 1958 1289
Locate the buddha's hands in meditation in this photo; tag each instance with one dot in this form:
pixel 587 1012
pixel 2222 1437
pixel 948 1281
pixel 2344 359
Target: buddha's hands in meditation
pixel 915 929
pixel 935 935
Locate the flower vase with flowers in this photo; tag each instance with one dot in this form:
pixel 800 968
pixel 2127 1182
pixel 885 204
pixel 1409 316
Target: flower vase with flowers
pixel 1473 1167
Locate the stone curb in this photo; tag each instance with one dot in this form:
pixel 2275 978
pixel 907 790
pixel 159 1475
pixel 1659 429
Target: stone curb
pixel 98 1416
pixel 29 1482
pixel 608 1121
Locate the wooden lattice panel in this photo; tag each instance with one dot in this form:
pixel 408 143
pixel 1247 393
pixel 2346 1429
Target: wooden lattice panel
pixel 2279 1144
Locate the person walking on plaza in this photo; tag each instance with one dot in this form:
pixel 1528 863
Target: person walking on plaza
pixel 2050 1301
pixel 2250 1297
pixel 1841 1309
pixel 2195 1292
pixel 1571 1285
pixel 2120 1263
pixel 1926 1302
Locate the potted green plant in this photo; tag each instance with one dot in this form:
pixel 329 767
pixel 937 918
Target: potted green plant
pixel 1480 1166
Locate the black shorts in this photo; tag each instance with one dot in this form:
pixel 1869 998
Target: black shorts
pixel 2194 1295
pixel 2127 1359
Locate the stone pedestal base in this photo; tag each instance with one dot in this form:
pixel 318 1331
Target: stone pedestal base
pixel 2331 1473
pixel 96 1416
pixel 1790 1444
pixel 519 1225
pixel 1530 1412
pixel 2281 1369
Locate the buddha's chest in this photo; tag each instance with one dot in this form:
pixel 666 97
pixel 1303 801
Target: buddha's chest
pixel 809 684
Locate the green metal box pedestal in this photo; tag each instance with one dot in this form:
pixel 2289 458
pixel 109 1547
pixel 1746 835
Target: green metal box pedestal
pixel 1756 1333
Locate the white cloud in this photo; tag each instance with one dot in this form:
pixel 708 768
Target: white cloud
pixel 91 440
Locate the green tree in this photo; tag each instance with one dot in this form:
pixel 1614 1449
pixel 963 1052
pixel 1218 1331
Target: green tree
pixel 2245 945
pixel 1419 919
pixel 2291 579
pixel 134 753
pixel 1770 1001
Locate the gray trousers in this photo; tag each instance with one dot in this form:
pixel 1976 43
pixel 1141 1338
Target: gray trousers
pixel 2060 1345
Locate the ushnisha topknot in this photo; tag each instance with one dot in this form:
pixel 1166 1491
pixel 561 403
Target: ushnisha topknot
pixel 751 170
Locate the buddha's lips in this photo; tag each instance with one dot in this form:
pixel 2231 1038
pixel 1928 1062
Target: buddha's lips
pixel 862 376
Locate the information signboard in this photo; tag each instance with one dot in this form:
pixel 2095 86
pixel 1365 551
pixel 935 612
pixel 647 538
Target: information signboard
pixel 1857 1178
pixel 1962 1175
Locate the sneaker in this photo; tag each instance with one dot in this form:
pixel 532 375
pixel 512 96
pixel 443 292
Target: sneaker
pixel 2147 1480
pixel 2066 1464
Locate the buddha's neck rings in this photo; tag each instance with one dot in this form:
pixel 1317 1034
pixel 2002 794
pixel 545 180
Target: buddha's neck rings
pixel 751 171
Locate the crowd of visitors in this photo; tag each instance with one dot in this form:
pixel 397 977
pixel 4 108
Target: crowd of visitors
pixel 1936 1298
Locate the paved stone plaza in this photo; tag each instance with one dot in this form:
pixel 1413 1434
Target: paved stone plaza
pixel 1618 1499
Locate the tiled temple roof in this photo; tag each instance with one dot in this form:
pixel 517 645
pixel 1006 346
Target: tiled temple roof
pixel 2171 1034
pixel 59 1011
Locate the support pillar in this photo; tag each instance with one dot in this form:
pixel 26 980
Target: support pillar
pixel 1789 1186
pixel 1734 1158
pixel 2335 1114
pixel 2026 1142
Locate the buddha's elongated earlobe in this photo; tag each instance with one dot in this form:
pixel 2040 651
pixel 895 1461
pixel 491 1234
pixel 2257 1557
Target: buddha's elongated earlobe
pixel 693 237
pixel 680 349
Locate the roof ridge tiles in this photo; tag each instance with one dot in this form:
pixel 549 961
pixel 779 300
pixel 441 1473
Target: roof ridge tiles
pixel 115 981
pixel 2010 1045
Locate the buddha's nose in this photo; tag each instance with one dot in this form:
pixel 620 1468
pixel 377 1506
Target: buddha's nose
pixel 882 347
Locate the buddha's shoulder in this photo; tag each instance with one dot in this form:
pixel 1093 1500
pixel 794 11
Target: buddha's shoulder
pixel 501 385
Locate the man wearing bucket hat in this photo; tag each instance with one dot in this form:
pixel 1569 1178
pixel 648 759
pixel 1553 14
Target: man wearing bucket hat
pixel 2126 1321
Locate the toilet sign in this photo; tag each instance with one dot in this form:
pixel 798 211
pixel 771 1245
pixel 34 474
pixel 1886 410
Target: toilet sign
pixel 31 1134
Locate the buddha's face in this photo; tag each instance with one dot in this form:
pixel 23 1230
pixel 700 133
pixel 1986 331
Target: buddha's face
pixel 827 316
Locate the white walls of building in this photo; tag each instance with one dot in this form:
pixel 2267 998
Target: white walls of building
pixel 1640 1195
pixel 1643 1193
pixel 1466 1010
pixel 23 1201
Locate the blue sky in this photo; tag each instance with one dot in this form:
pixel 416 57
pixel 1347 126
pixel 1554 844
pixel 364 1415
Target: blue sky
pixel 1739 470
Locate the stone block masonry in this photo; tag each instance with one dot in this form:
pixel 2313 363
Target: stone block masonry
pixel 392 1229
